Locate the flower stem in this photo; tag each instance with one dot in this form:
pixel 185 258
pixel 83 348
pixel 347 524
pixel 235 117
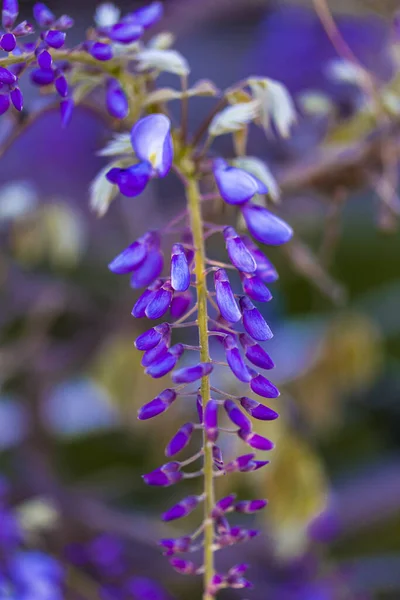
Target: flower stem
pixel 196 222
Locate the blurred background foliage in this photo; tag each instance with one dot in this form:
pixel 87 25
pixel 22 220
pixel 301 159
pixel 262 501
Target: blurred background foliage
pixel 71 380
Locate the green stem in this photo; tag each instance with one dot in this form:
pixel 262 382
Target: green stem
pixel 196 221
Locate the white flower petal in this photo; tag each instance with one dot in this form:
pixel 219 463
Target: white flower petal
pixel 107 14
pixel 162 41
pixel 168 61
pixel 275 102
pixel 233 118
pixel 102 192
pixel 120 144
pixel 343 71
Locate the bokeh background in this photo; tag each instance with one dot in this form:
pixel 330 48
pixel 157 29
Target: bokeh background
pixel 71 380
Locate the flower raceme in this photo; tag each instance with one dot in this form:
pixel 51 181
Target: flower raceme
pixel 239 325
pixel 187 290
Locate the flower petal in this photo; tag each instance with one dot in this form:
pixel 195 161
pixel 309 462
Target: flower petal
pixel 266 227
pixel 152 142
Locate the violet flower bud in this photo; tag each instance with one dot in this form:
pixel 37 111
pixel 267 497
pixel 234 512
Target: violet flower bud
pixel 125 33
pixel 158 405
pixel 254 287
pixel 8 42
pixel 150 338
pixel 160 302
pixel 6 77
pixel 254 323
pixel 180 273
pixel 64 22
pixel 262 386
pixel 141 303
pixel 43 15
pixel 66 110
pixel 23 28
pixel 17 99
pixel 255 353
pixel 4 103
pixel 241 463
pixel 44 60
pixel 190 374
pixel 238 253
pixel 225 298
pixel 266 227
pixel 118 107
pixel 185 567
pixel 61 85
pixel 101 51
pixel 250 506
pixel 164 476
pixel 42 76
pixel 217 457
pixel 149 270
pixel 217 583
pixel 148 15
pixel 235 359
pixel 54 38
pixel 180 440
pixel 182 509
pixel 256 441
pixel 133 256
pixel 152 142
pixel 235 185
pixel 9 13
pixel 173 546
pixel 180 304
pixel 257 410
pixel 236 416
pixel 223 505
pixel 166 362
pixel 211 420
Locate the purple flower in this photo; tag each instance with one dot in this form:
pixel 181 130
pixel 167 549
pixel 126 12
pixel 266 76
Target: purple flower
pixel 54 38
pixel 66 110
pixel 237 417
pixel 157 406
pixel 173 546
pixel 265 269
pixel 17 99
pixel 8 42
pixel 262 386
pixel 180 273
pixel 182 509
pixel 255 353
pixel 149 339
pixel 166 362
pixel 250 506
pixel 134 255
pixel 149 270
pixel 160 302
pixel 147 16
pixel 266 227
pixel 6 77
pixel 43 15
pixel 211 420
pixel 254 287
pixel 125 32
pixel 257 410
pixel 190 374
pixel 156 353
pixel 118 107
pixel 223 505
pixel 236 186
pixel 180 440
pixel 42 76
pixel 101 51
pixel 139 308
pixel 239 254
pixel 225 298
pixel 165 476
pixel 235 359
pixel 254 323
pixel 185 567
pixel 61 85
pixel 152 142
pixel 44 60
pixel 9 13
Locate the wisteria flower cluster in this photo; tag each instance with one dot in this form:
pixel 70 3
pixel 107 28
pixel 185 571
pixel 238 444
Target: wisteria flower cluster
pixel 194 290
